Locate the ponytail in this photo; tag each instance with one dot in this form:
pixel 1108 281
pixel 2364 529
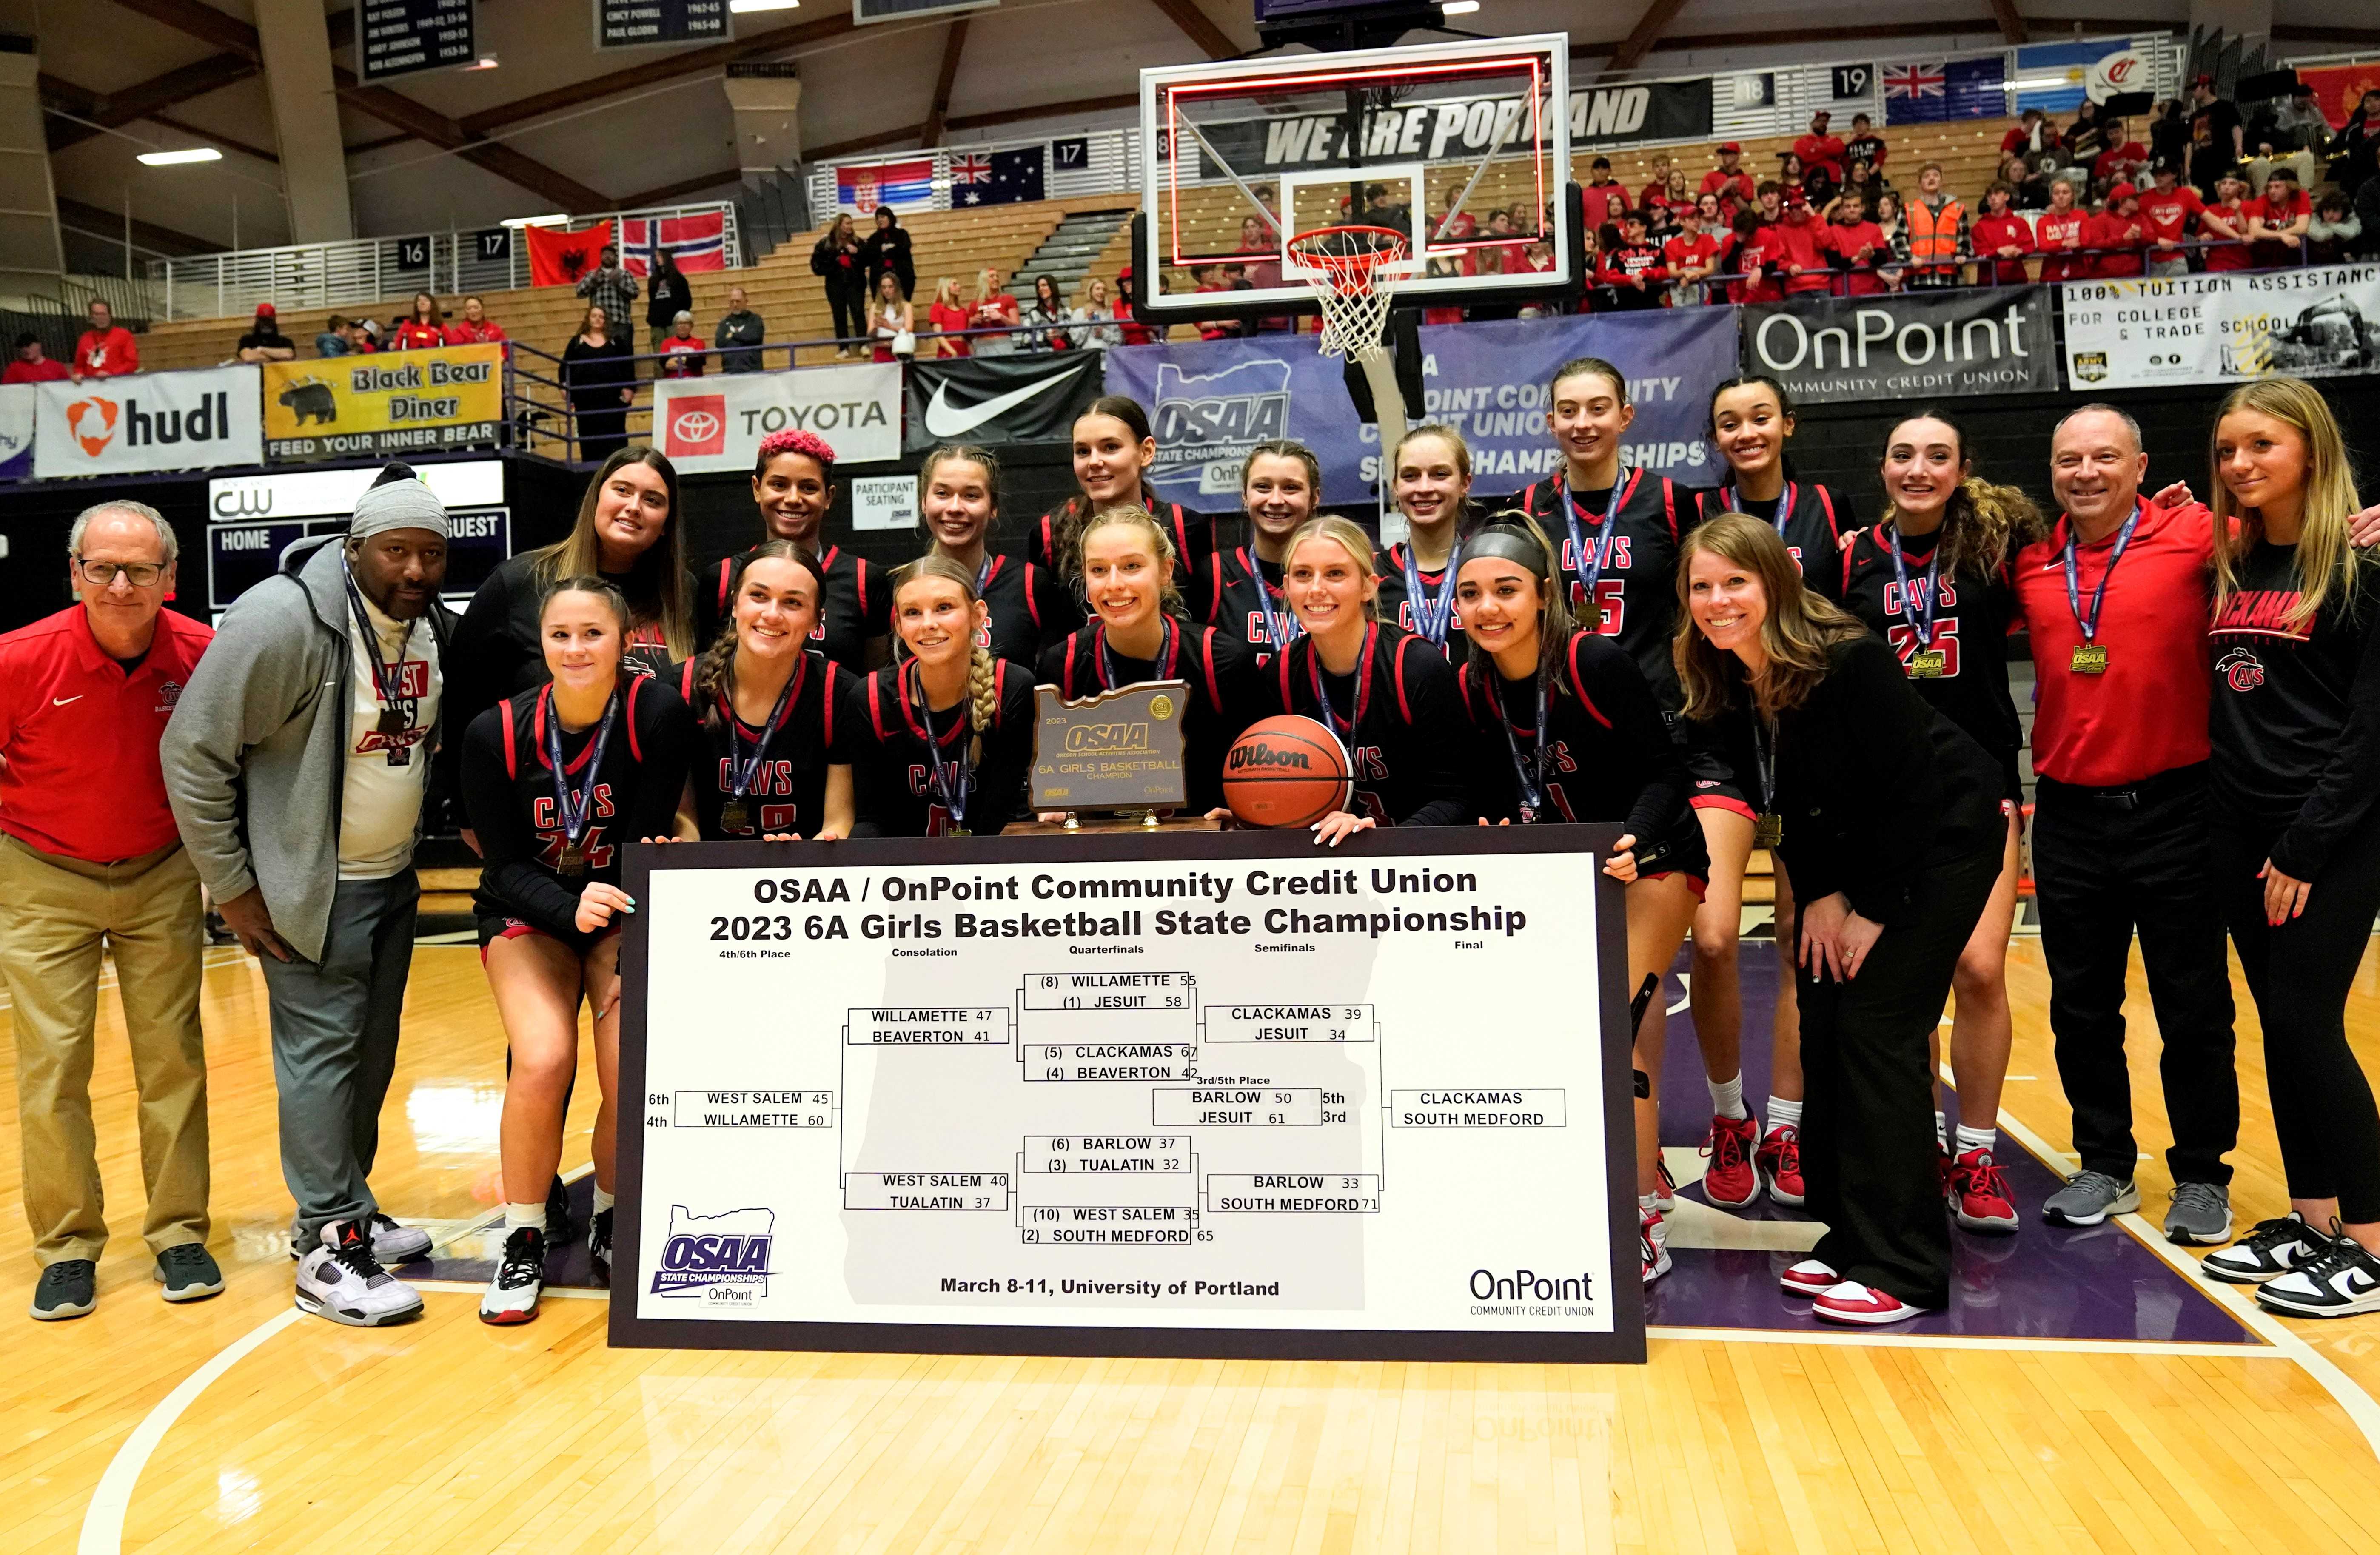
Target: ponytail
pixel 1984 524
pixel 983 698
pixel 711 670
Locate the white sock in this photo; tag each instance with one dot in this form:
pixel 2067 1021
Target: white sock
pixel 1978 1138
pixel 1648 1204
pixel 603 1201
pixel 1941 1131
pixel 1783 1114
pixel 519 1215
pixel 1727 1096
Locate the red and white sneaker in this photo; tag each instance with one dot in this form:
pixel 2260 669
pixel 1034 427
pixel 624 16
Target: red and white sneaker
pixel 1731 1181
pixel 1809 1278
pixel 1652 1247
pixel 1665 1187
pixel 1778 1161
pixel 1863 1305
pixel 1978 1193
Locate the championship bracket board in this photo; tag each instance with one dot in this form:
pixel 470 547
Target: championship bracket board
pixel 1195 1094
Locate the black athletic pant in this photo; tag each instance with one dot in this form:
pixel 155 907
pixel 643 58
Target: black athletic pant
pixel 850 313
pixel 2106 862
pixel 1868 1157
pixel 2299 974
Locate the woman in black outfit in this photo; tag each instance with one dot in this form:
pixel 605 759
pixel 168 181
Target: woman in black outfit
pixel 556 782
pixel 2296 736
pixel 838 261
pixel 1887 814
pixel 602 380
pixel 886 252
pixel 670 295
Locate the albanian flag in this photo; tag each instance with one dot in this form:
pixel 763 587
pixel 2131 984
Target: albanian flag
pixel 560 258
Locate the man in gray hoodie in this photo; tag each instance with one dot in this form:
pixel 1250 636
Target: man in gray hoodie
pixel 298 764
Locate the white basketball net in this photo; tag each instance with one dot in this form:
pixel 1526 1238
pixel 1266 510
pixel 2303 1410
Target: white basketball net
pixel 1355 305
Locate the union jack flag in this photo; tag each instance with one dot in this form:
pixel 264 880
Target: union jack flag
pixel 1913 81
pixel 1916 93
pixel 970 169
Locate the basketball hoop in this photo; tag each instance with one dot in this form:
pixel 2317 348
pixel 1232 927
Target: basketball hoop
pixel 1354 306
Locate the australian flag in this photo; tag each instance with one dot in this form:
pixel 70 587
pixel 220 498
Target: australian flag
pixel 1001 178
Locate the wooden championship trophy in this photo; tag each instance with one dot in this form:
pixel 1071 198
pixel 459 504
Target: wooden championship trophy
pixel 1110 762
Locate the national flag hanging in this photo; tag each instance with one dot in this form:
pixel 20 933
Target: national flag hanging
pixel 897 184
pixel 2068 65
pixel 970 170
pixel 1976 89
pixel 1001 179
pixel 1915 93
pixel 2339 87
pixel 557 257
pixel 696 242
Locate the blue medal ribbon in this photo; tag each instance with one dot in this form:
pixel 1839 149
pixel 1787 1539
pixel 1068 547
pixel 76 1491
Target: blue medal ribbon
pixel 1167 655
pixel 1282 630
pixel 1530 775
pixel 2090 623
pixel 577 804
pixel 1430 617
pixel 1792 494
pixel 1921 622
pixel 1362 687
pixel 954 781
pixel 742 772
pixel 1590 562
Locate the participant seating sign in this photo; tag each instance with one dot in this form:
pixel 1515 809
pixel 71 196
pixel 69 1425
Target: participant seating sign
pixel 2223 327
pixel 400 402
pixel 1194 1094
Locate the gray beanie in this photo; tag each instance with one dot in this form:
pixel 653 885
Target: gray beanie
pixel 402 503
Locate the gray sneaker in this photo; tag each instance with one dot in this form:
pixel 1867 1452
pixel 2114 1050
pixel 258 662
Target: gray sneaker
pixel 2088 1199
pixel 2201 1215
pixel 68 1288
pixel 189 1273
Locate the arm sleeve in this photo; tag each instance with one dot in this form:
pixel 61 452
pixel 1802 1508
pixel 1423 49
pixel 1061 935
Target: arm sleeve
pixel 1438 740
pixel 131 352
pixel 508 870
pixel 666 731
pixel 2343 797
pixel 1884 843
pixel 856 747
pixel 483 659
pixel 1615 688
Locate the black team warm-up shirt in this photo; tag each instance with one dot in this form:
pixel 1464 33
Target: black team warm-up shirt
pixel 1029 609
pixel 2296 715
pixel 1816 518
pixel 1408 737
pixel 858 603
pixel 1231 591
pixel 496 652
pixel 1224 693
pixel 508 792
pixel 1193 541
pixel 788 791
pixel 892 772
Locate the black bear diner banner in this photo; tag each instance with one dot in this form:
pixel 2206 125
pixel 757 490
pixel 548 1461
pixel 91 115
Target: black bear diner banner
pixel 1459 129
pixel 1997 340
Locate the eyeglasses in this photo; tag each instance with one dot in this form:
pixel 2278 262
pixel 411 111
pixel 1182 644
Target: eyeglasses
pixel 140 575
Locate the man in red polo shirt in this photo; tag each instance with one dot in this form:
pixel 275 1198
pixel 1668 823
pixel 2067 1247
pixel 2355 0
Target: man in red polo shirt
pixel 89 853
pixel 1729 180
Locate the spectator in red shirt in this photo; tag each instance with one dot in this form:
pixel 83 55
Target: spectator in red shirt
pixel 1750 258
pixel 1856 243
pixel 1211 278
pixel 106 349
pixel 2118 234
pixel 2122 160
pixel 1865 149
pixel 2001 238
pixel 1603 196
pixel 2058 234
pixel 1802 246
pixel 2032 135
pixel 1134 332
pixel 1729 180
pixel 475 328
pixel 1820 149
pixel 1792 172
pixel 1771 203
pixel 683 354
pixel 948 315
pixel 31 366
pixel 1633 270
pixel 2166 211
pixel 92 854
pixel 1691 254
pixel 422 330
pixel 2225 222
pixel 2276 223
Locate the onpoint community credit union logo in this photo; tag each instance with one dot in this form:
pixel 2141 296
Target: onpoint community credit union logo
pixel 698 424
pixel 92 422
pixel 721 1257
pixel 1208 424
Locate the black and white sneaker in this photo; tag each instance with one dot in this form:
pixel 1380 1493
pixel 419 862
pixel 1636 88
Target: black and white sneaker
pixel 342 1280
pixel 2269 1251
pixel 560 1230
pixel 599 1242
pixel 2339 1281
pixel 519 1280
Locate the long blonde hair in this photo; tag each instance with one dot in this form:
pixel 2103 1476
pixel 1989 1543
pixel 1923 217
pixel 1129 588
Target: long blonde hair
pixel 983 682
pixel 946 292
pixel 2325 554
pixel 1799 629
pixel 1349 536
pixel 657 583
pixel 1160 545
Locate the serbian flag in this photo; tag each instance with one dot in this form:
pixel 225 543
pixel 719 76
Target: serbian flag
pixel 557 257
pixel 902 184
pixel 2339 87
pixel 696 242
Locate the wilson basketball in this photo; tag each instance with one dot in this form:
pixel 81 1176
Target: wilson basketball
pixel 1286 772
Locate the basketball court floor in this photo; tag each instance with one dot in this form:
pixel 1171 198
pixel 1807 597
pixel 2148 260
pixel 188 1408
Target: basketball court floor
pixel 2084 1392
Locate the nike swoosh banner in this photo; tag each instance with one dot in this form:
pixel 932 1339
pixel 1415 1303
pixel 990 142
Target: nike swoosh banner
pixel 707 424
pixel 1002 399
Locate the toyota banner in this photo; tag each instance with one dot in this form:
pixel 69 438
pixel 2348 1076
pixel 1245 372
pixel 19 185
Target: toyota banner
pixel 707 424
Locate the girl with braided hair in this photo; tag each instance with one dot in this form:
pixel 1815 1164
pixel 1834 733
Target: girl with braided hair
pixel 947 727
pixel 958 508
pixel 793 485
pixel 767 763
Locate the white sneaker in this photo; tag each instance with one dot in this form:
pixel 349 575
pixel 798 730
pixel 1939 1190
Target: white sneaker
pixel 342 1280
pixel 1653 1246
pixel 518 1281
pixel 392 1243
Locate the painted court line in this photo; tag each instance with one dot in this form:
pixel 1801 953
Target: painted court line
pixel 1815 1335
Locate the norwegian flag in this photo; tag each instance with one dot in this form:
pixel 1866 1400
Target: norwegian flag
pixel 1915 93
pixel 970 170
pixel 696 242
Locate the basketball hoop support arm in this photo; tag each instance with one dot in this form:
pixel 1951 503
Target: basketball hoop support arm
pixel 1237 182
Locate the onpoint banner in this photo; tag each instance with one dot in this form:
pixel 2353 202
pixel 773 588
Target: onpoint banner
pixel 154 421
pixel 398 402
pixel 1991 341
pixel 707 424
pixel 2223 327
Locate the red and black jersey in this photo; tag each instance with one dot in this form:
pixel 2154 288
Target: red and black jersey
pixel 1225 691
pixel 1397 603
pixel 509 794
pixel 1621 268
pixel 1609 754
pixel 1194 540
pixel 1029 609
pixel 858 604
pixel 1239 594
pixel 1635 592
pixel 1398 714
pixel 788 789
pixel 1970 618
pixel 893 768
pixel 1809 517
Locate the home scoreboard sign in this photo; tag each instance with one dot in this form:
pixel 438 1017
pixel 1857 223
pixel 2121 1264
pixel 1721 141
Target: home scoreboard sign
pixel 400 402
pixel 1211 1093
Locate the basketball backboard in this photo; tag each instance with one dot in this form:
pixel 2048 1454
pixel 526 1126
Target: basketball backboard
pixel 1462 149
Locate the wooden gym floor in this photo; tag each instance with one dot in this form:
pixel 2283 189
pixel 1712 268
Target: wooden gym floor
pixel 236 1424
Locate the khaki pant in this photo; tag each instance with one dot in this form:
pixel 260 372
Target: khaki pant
pixel 55 913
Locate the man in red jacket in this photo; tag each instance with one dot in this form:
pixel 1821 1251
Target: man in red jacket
pixel 2058 233
pixel 1635 270
pixel 1801 248
pixel 105 349
pixel 2166 212
pixel 2118 234
pixel 1820 149
pixel 31 366
pixel 1856 245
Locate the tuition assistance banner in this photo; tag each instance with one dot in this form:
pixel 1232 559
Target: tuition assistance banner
pixel 396 402
pixel 154 421
pixel 707 424
pixel 1002 399
pixel 2223 327
pixel 1989 341
pixel 1211 401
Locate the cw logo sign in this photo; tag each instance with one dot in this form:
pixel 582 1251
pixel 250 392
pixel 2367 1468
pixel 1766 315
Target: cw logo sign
pixel 92 423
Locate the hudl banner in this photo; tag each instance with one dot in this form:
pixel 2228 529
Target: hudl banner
pixel 355 406
pixel 717 423
pixel 1002 399
pixel 2223 327
pixel 1992 341
pixel 156 421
